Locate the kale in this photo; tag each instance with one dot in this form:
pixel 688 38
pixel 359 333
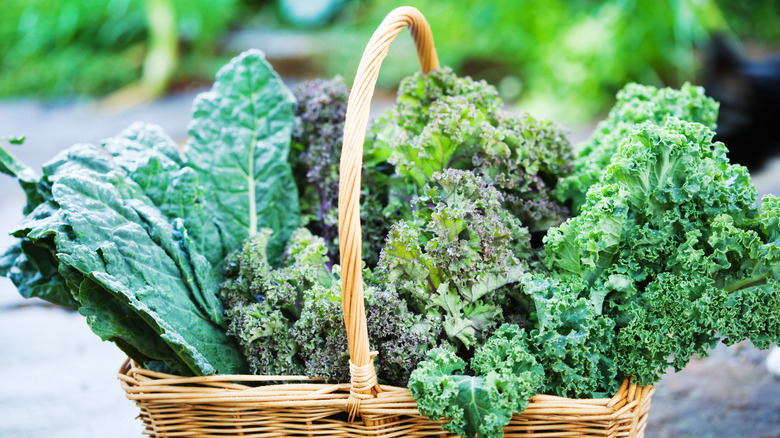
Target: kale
pixel 289 319
pixel 457 259
pixel 525 166
pixel 442 121
pixel 98 244
pixel 635 104
pixel 505 376
pixel 315 154
pixel 671 246
pixel 570 339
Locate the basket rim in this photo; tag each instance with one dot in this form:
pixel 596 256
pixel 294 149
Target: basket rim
pixel 132 374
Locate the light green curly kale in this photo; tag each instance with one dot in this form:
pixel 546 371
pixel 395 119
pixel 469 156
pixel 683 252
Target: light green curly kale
pixel 635 104
pixel 672 247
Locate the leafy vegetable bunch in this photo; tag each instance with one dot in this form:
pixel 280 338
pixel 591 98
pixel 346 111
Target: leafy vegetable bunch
pixel 456 242
pixel 133 233
pixel 669 254
pixel 469 181
pixel 289 320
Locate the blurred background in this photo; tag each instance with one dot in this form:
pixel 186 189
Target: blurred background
pixel 82 70
pixel 558 59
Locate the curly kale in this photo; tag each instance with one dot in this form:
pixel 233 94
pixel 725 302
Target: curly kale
pixel 635 104
pixel 566 351
pixel 289 320
pixel 401 337
pixel 480 401
pixel 457 259
pixel 262 305
pixel 570 339
pixel 669 254
pixel 525 166
pixel 316 150
pixel 442 121
pixel 672 247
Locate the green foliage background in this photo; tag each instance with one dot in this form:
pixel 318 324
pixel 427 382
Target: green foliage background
pixel 55 48
pixel 564 57
pixel 557 57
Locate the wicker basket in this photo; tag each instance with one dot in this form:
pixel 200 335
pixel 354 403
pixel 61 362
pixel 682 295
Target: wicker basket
pixel 294 406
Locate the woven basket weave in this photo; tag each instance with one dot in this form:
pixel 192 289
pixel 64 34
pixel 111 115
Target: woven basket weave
pixel 294 406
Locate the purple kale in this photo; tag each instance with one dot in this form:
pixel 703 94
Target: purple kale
pixel 316 151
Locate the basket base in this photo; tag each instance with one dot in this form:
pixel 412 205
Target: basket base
pixel 231 406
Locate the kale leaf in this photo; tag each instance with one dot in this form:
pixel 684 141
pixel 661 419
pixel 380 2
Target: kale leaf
pixel 456 259
pixel 505 377
pixel 126 267
pixel 289 320
pixel 238 146
pixel 635 104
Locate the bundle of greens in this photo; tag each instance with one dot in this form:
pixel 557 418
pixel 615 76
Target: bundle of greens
pixel 289 320
pixel 441 233
pixel 441 121
pixel 198 261
pixel 669 254
pixel 133 234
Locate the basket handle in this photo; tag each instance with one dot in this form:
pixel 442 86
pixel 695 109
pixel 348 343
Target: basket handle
pixel 364 382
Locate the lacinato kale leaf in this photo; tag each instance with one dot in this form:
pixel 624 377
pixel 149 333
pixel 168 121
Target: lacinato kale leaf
pixel 153 161
pixel 240 140
pixel 27 177
pixel 135 253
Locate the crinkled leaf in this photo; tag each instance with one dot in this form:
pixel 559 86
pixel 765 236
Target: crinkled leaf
pixel 152 160
pixel 240 141
pixel 480 405
pixel 108 317
pixel 128 250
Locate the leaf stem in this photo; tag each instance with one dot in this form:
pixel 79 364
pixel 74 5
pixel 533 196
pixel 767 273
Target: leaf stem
pixel 745 282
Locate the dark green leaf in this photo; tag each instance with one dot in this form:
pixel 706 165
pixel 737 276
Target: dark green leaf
pixel 240 141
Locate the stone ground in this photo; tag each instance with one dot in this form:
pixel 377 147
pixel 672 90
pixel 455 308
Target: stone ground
pixel 58 380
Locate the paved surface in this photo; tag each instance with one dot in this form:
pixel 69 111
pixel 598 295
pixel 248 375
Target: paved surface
pixel 58 380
